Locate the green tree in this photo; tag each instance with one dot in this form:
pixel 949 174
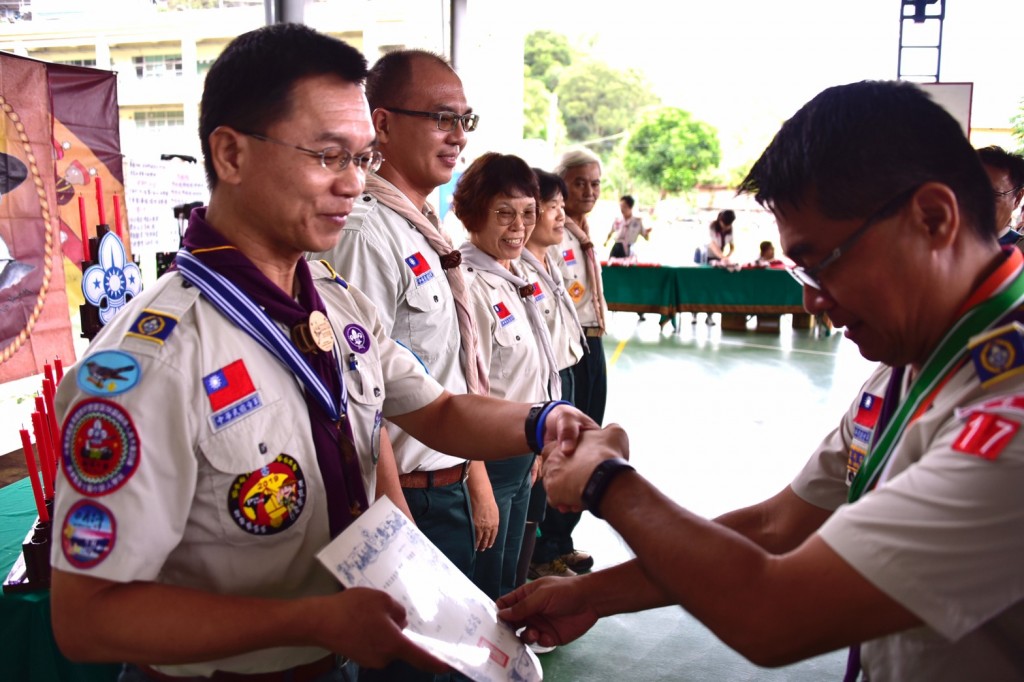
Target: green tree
pixel 598 101
pixel 545 55
pixel 672 151
pixel 1017 126
pixel 537 113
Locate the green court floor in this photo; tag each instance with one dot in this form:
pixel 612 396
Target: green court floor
pixel 719 419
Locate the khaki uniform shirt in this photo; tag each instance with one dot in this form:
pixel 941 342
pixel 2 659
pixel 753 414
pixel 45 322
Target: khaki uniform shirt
pixel 942 534
pixel 188 457
pixel 573 264
pixel 565 333
pixel 394 265
pixel 510 353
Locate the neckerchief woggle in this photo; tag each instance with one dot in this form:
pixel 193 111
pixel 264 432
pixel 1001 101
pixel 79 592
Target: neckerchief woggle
pixel 249 317
pixel 943 360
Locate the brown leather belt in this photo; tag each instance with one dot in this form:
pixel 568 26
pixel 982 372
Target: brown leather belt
pixel 435 479
pixel 308 672
pixel 593 331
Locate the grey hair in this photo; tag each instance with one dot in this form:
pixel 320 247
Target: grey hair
pixel 577 156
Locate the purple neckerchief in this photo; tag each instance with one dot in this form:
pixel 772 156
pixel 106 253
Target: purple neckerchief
pixel 341 475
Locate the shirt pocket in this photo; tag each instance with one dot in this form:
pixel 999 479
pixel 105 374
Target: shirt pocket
pixel 364 380
pixel 425 298
pixel 253 478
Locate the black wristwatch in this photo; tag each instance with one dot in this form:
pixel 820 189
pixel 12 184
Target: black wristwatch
pixel 599 481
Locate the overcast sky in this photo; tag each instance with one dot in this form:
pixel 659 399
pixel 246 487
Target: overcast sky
pixel 746 65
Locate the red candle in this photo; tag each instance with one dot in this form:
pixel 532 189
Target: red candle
pixel 44 445
pixel 49 390
pixel 85 227
pixel 37 492
pixel 45 457
pixel 117 216
pixel 58 367
pixel 99 200
pixel 48 371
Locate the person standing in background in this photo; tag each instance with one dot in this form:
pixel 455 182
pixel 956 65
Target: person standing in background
pixel 626 229
pixel 541 260
pixel 580 169
pixel 496 199
pixel 1006 172
pixel 393 249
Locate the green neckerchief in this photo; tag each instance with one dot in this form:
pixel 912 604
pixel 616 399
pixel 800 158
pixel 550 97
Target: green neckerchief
pixel 943 361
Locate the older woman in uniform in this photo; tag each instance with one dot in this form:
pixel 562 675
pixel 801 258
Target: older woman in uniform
pixel 496 199
pixel 541 260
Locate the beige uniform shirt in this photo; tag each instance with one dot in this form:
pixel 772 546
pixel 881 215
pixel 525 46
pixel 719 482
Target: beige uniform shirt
pixel 573 264
pixel 188 457
pixel 510 354
pixel 565 333
pixel 942 534
pixel 394 265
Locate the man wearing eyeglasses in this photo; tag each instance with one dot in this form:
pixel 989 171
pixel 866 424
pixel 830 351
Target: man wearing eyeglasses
pixel 1006 172
pixel 245 435
pixel 901 538
pixel 395 251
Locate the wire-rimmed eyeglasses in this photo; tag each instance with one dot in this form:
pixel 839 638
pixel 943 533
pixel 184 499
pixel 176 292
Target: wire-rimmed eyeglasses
pixel 335 159
pixel 446 120
pixel 1008 192
pixel 506 216
pixel 809 276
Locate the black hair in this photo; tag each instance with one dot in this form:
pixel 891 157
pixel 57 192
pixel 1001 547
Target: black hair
pixel 630 201
pixel 854 147
pixel 550 184
pixel 390 78
pixel 997 157
pixel 249 85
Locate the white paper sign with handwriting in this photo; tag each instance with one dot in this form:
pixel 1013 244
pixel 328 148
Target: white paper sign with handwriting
pixel 448 615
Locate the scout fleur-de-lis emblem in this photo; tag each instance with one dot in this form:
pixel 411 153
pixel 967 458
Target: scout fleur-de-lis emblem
pixel 114 281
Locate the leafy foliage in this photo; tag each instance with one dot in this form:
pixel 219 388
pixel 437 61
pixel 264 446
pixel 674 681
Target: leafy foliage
pixel 671 150
pixel 545 55
pixel 1017 126
pixel 599 101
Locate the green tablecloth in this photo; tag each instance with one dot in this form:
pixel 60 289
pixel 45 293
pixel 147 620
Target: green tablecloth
pixel 27 650
pixel 700 289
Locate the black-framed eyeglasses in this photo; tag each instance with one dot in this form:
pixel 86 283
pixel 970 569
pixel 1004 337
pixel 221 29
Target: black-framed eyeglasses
pixel 506 216
pixel 446 120
pixel 334 159
pixel 1008 192
pixel 809 276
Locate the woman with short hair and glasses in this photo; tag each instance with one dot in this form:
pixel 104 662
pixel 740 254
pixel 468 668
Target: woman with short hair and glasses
pixel 496 200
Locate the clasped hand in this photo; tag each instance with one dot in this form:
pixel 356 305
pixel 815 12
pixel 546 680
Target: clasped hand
pixel 566 472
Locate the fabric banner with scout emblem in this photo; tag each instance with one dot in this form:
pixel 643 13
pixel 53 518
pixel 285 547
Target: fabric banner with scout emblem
pixel 35 326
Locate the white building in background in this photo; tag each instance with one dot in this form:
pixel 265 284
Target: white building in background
pixel 161 57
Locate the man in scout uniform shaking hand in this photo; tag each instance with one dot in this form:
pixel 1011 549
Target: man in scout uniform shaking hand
pixel 901 538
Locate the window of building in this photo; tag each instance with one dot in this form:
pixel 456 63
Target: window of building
pixel 159 119
pixel 78 62
pixel 157 66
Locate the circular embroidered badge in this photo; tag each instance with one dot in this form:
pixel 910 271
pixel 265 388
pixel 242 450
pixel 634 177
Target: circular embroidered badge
pixel 270 499
pixel 88 534
pixel 998 356
pixel 358 339
pixel 100 447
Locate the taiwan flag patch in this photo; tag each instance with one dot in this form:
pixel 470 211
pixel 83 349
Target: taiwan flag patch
pixel 505 316
pixel 538 293
pixel 228 385
pixel 569 257
pixel 420 268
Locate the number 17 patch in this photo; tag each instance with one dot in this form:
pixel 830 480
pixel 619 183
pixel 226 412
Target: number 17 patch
pixel 985 435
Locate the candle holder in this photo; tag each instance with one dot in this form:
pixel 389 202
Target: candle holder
pixel 31 572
